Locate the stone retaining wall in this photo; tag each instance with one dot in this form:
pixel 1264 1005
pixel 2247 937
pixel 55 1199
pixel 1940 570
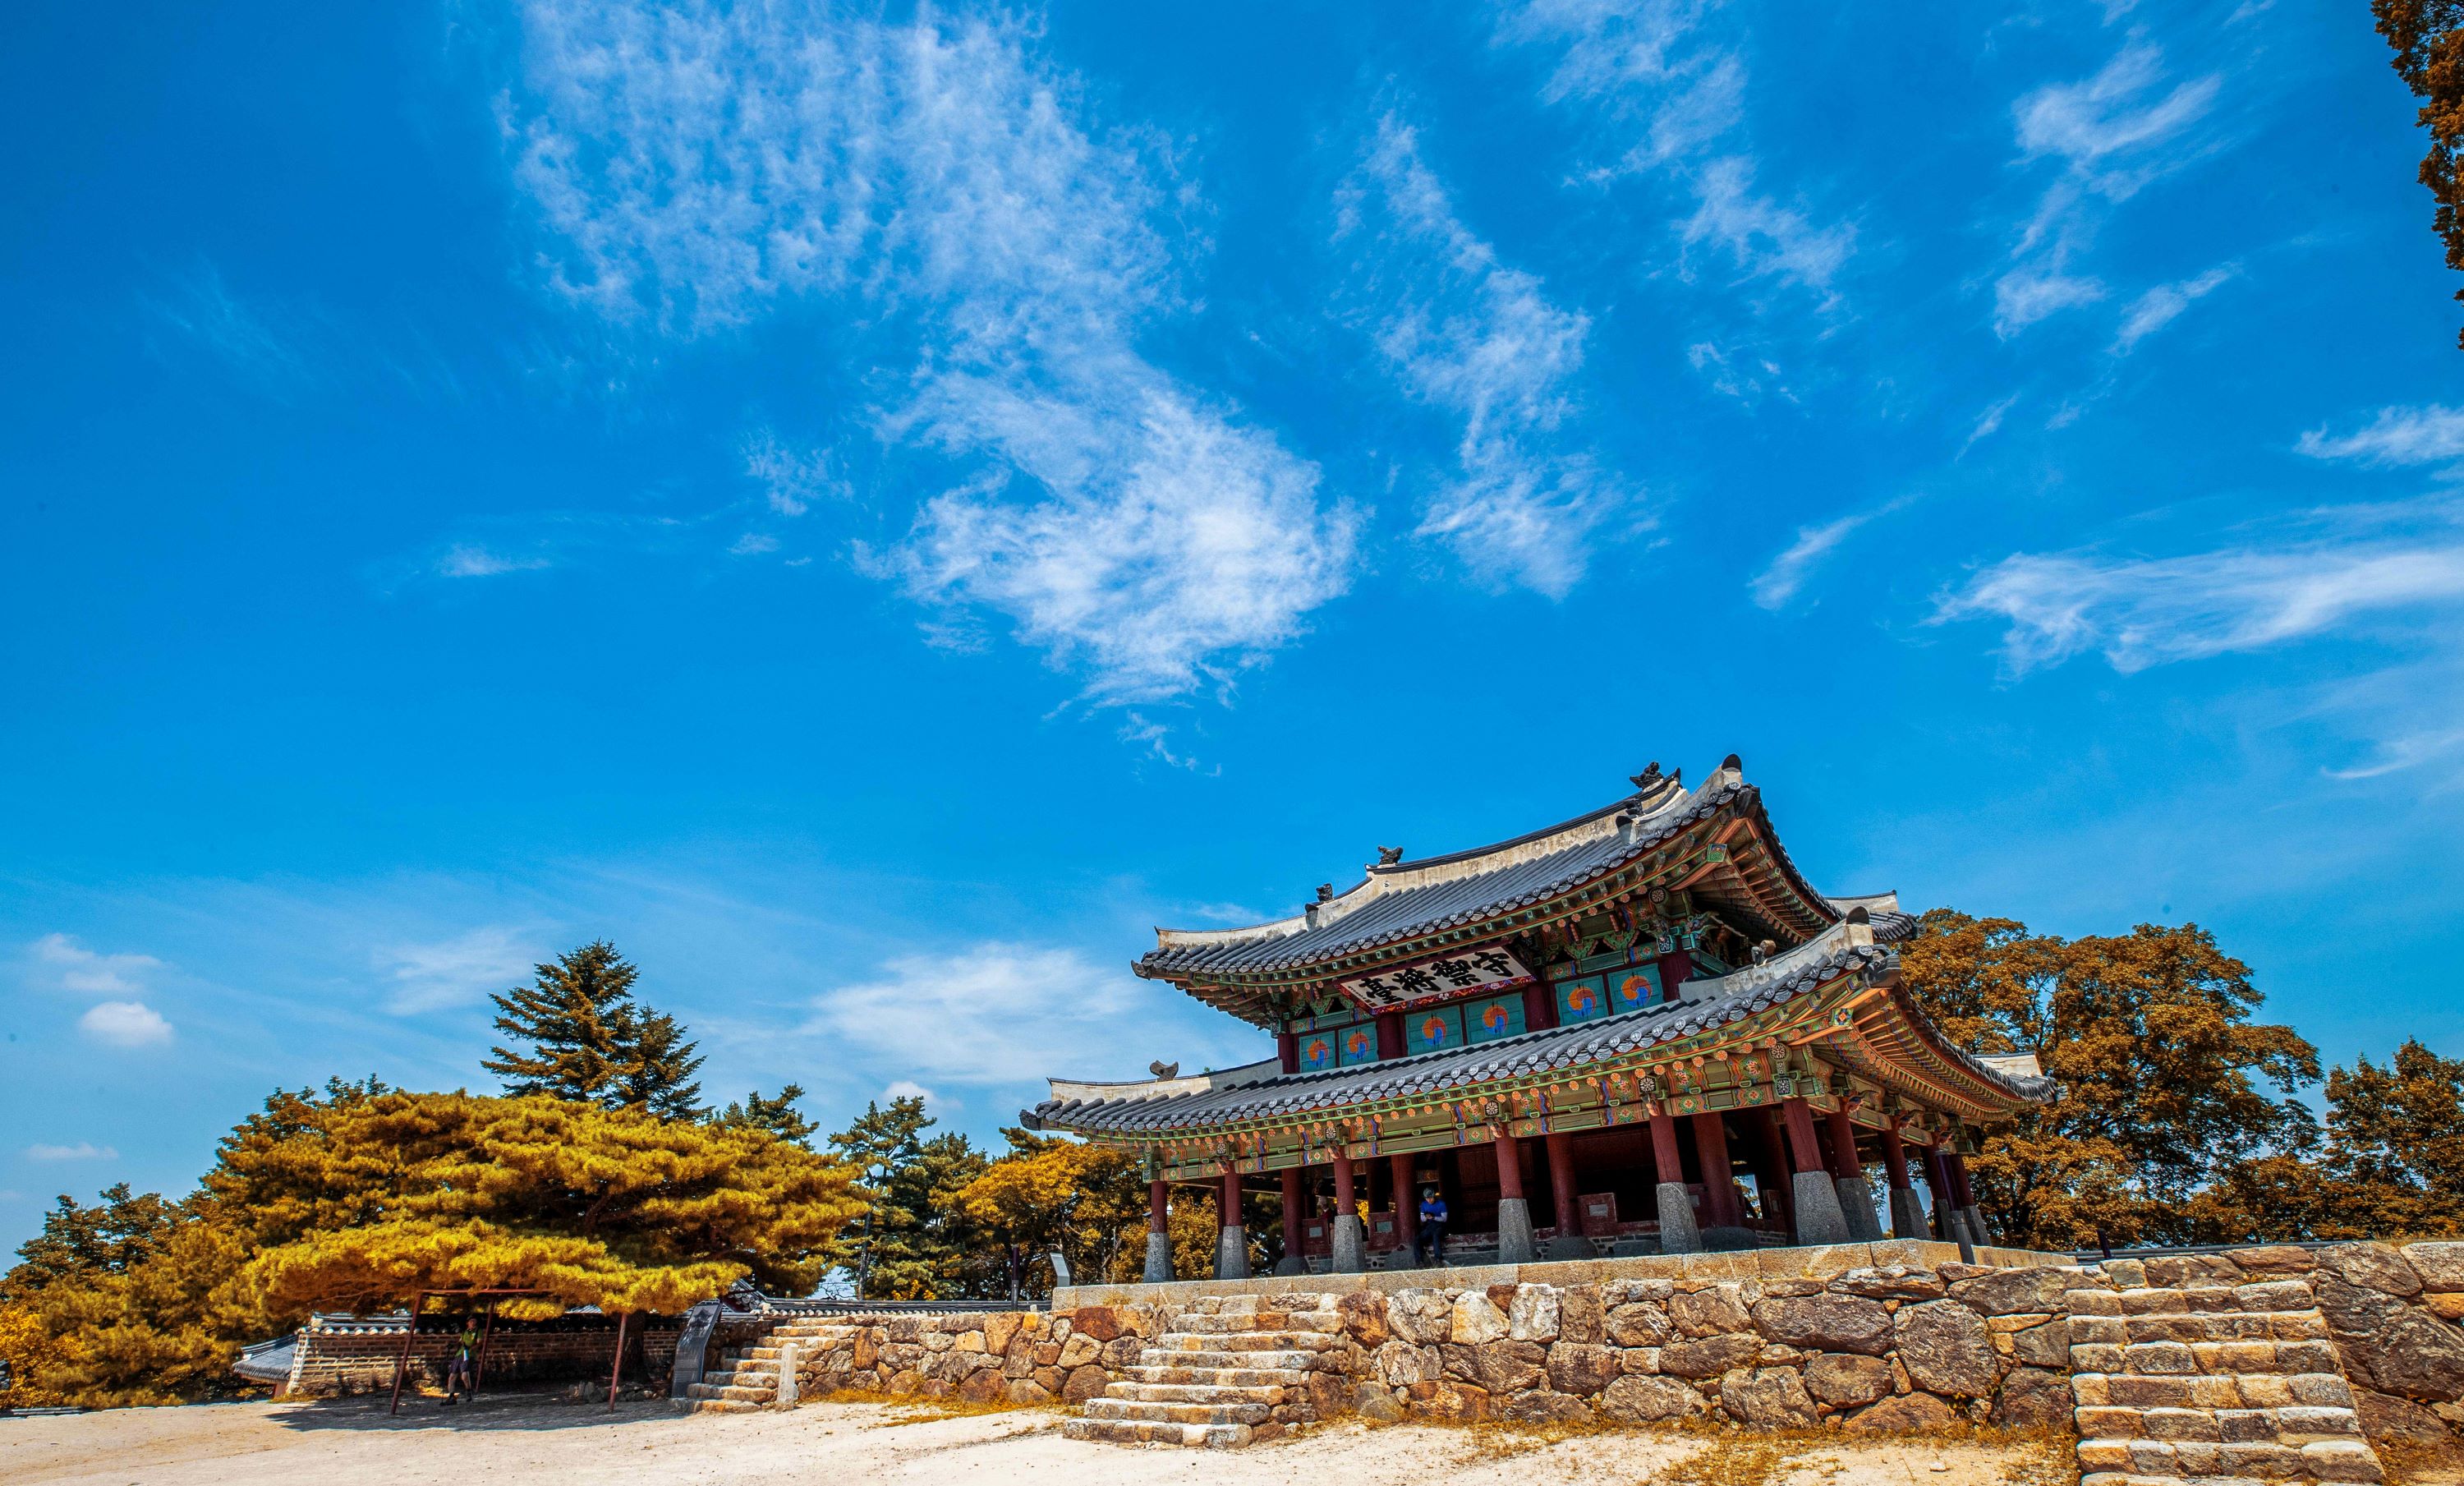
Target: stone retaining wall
pixel 1021 1357
pixel 1889 1348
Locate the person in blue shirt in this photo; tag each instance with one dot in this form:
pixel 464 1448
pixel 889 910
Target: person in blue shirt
pixel 1429 1245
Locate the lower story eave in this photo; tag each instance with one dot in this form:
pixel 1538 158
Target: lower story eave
pixel 1843 1036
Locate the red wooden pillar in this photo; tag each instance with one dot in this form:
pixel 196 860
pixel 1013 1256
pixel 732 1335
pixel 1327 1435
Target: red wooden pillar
pixel 1805 1151
pixel 1390 1034
pixel 1539 1007
pixel 1287 1051
pixel 1945 1200
pixel 1674 967
pixel 1345 1201
pixel 1407 1202
pixel 1772 1174
pixel 1509 1167
pixel 1664 1154
pixel 1293 1211
pixel 1561 1183
pixel 1845 1163
pixel 1158 1208
pixel 1719 1186
pixel 1895 1157
pixel 1230 1213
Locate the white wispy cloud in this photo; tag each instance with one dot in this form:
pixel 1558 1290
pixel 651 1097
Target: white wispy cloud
pixel 2431 435
pixel 83 1150
pixel 1779 581
pixel 698 163
pixel 471 560
pixel 793 481
pixel 454 971
pixel 125 1023
pixel 71 967
pixel 1988 424
pixel 1467 333
pixel 989 1013
pixel 2145 611
pixel 2162 304
pixel 2109 134
pixel 205 315
pixel 1674 99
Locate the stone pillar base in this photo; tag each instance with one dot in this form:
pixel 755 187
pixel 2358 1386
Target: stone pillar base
pixel 1819 1219
pixel 1566 1246
pixel 1514 1245
pixel 1857 1204
pixel 1678 1233
pixel 1730 1239
pixel 1159 1258
pixel 1907 1214
pixel 1348 1246
pixel 1232 1254
pixel 1291 1264
pixel 1974 1222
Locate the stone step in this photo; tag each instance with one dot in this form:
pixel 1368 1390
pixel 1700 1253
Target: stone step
pixel 731 1393
pixel 1198 1392
pixel 2116 1462
pixel 1155 1357
pixel 1220 1377
pixel 1131 1431
pixel 1175 1413
pixel 1247 1342
pixel 721 1406
pixel 1262 1322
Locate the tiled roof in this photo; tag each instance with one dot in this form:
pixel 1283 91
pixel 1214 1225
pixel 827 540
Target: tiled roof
pixel 1847 949
pixel 1402 900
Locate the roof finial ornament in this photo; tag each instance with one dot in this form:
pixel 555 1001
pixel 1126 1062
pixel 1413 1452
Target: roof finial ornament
pixel 1859 915
pixel 1733 764
pixel 1163 1070
pixel 1388 856
pixel 1648 779
pixel 1326 892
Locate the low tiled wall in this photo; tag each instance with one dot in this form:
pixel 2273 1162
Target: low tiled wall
pixel 344 1355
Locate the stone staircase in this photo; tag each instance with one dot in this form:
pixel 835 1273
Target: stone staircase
pixel 1228 1367
pixel 2196 1376
pixel 747 1377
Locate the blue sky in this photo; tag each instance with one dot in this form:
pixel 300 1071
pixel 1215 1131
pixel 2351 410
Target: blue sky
pixel 873 510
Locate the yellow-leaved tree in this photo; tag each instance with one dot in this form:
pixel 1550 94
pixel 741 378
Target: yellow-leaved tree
pixel 1053 1194
pixel 358 1198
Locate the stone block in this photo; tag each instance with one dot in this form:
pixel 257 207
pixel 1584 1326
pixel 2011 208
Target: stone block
pixel 2095 1302
pixel 2180 1424
pixel 2278 1294
pixel 2033 1398
pixel 2439 1266
pixel 1712 1312
pixel 1712 1356
pixel 2379 1267
pixel 1768 1398
pixel 2152 1303
pixel 2158 1358
pixel 2296 1326
pixel 2274 1259
pixel 2008 1292
pixel 1476 1321
pixel 1640 1323
pixel 2341 1460
pixel 2104 1454
pixel 2152 1458
pixel 2305 1357
pixel 2265 1390
pixel 1581 1316
pixel 1651 1400
pixel 1947 1349
pixel 2126 1273
pixel 2327 1389
pixel 2200 1456
pixel 1826 1322
pixel 2088 1389
pixel 2417 1356
pixel 1847 1379
pixel 2117 1423
pixel 2215 1393
pixel 1890 1282
pixel 2235 1356
pixel 2266 1460
pixel 2112 1330
pixel 1582 1368
pixel 1421 1314
pixel 1908 1414
pixel 1542 1406
pixel 2299 1424
pixel 2164 1328
pixel 2141 1392
pixel 1643 1360
pixel 2245 1426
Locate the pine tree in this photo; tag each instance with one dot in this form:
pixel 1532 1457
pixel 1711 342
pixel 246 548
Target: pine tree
pixel 589 1040
pixel 778 1115
pixel 882 1143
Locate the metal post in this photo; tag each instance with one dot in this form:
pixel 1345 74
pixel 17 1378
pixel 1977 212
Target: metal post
pixel 617 1371
pixel 479 1365
pixel 402 1364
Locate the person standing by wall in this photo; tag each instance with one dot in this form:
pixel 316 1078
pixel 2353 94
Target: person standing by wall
pixel 1429 1246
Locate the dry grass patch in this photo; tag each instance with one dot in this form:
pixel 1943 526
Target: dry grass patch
pixel 904 1409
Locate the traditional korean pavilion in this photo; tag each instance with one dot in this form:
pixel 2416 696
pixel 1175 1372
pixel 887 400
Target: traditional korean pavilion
pixel 1645 1014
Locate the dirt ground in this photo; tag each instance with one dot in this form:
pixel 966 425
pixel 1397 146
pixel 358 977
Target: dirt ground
pixel 534 1440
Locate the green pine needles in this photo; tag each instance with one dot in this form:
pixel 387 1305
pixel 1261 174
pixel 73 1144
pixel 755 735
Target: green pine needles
pixel 590 1041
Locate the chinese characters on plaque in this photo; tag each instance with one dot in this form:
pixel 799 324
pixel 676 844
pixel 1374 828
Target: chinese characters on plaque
pixel 1451 975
